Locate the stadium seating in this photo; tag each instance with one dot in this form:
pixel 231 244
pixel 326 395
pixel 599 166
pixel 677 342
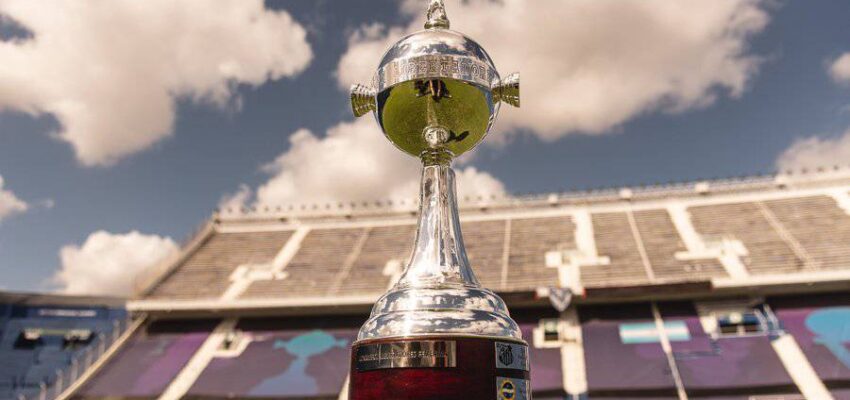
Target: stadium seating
pixel 820 227
pixel 747 222
pixel 662 242
pixel 206 273
pixel 314 268
pixel 614 239
pixel 485 247
pixel 531 239
pixel 384 244
pixel 777 233
pixel 39 340
pixel 708 294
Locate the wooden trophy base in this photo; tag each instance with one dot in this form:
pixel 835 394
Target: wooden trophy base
pixel 439 368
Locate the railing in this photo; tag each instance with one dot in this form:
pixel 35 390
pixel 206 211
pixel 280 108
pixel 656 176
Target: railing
pixel 601 194
pixel 50 389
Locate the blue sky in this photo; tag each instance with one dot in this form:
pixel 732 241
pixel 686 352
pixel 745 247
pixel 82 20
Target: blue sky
pixel 172 186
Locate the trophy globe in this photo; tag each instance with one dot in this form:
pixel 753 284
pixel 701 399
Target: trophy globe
pixel 438 333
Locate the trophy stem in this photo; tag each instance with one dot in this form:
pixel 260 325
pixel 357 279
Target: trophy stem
pixel 438 294
pixel 438 258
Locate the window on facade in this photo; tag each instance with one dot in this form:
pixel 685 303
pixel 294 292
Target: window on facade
pixel 740 323
pixel 551 332
pixel 77 338
pixel 29 339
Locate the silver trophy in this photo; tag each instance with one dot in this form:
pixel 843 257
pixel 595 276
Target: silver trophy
pixel 435 95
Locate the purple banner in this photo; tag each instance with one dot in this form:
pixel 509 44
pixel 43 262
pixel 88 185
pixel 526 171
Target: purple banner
pixel 150 360
pixel 616 364
pixel 280 361
pixel 821 327
pixel 731 362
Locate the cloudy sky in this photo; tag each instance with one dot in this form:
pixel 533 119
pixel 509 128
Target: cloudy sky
pixel 124 124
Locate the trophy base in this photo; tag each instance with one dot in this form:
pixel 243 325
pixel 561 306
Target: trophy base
pixel 440 367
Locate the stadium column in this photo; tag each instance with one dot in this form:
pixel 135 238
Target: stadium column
pixel 572 355
pixel 798 366
pixel 668 351
pixel 196 365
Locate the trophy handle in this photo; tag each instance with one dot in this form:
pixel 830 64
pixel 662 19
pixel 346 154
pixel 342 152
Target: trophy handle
pixel 507 90
pixel 362 100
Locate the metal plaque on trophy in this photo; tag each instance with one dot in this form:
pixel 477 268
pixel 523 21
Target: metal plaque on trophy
pixel 438 334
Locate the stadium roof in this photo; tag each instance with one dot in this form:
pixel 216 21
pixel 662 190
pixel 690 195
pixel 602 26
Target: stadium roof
pixel 786 232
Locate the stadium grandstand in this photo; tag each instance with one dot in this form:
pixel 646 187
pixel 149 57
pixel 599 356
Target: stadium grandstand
pixel 45 339
pixel 724 289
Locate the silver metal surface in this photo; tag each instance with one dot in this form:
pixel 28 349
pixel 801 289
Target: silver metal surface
pixel 362 100
pixel 438 292
pixel 507 91
pixel 412 354
pixel 435 77
pixel 435 95
pixel 436 53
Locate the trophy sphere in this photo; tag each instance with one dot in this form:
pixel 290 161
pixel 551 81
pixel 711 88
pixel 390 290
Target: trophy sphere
pixel 439 79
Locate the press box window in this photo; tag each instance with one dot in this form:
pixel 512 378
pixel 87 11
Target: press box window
pixel 740 324
pixel 551 332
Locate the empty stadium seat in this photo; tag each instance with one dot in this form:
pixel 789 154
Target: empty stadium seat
pixel 38 341
pixel 530 240
pixel 206 272
pixel 614 239
pixel 314 268
pixel 768 252
pixel 819 226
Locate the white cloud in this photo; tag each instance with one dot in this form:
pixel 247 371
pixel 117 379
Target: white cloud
pixel 10 204
pixel 111 71
pixel 353 162
pixel 590 65
pixel 236 200
pixel 814 152
pixel 107 263
pixel 840 69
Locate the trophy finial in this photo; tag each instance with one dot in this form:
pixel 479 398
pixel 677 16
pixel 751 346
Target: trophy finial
pixel 437 15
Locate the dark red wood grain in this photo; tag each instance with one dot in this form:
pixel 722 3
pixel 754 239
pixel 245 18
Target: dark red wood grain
pixel 473 378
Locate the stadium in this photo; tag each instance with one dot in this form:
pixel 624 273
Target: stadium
pixel 724 289
pixel 319 276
